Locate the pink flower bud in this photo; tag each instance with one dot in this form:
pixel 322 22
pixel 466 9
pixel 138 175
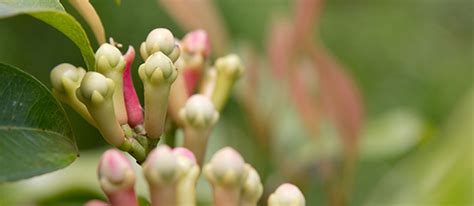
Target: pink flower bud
pixel 132 103
pixel 185 152
pixel 114 167
pixel 191 78
pixel 96 203
pixel 197 42
pixel 286 194
pixel 117 178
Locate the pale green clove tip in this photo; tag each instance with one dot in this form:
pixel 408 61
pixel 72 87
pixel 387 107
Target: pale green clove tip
pixel 95 82
pixel 159 39
pixel 109 58
pixel 199 112
pixel 65 71
pixel 286 195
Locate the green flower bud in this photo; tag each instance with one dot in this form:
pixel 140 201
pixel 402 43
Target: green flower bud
pixel 160 39
pixel 199 112
pixel 186 187
pixel 65 79
pixel 157 74
pixel 109 59
pixel 198 117
pixel 162 172
pixel 229 69
pixel 175 54
pixel 230 65
pixel 158 69
pixel 66 72
pixel 252 189
pixel 226 172
pixel 96 93
pixel 286 195
pixel 98 85
pixel 110 62
pixel 161 167
pixel 226 168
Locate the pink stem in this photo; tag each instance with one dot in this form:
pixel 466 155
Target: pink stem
pixel 132 104
pixel 123 198
pixel 191 78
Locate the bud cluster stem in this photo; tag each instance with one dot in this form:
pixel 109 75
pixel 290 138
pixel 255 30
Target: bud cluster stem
pixel 226 196
pixel 196 141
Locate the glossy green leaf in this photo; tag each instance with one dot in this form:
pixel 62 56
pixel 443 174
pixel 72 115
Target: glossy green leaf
pixel 35 133
pixel 440 173
pixel 52 13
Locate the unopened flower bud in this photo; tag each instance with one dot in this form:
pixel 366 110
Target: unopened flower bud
pixel 162 172
pixel 96 93
pixel 117 178
pixel 158 69
pixel 186 193
pixel 66 72
pixel 226 173
pixel 198 117
pixel 109 59
pixel 157 74
pixel 174 55
pixel 197 42
pixel 199 112
pixel 65 79
pixel 181 151
pixel 229 69
pixel 195 48
pixel 286 195
pixel 110 62
pixel 115 171
pixel 226 168
pixel 230 65
pixel 252 189
pixel 161 167
pixel 160 39
pixel 96 203
pixel 132 103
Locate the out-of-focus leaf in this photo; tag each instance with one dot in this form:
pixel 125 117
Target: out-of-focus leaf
pixel 35 134
pixel 70 197
pixel 52 13
pixel 440 173
pixel 391 135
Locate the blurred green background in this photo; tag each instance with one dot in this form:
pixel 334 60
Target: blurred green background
pixel 412 60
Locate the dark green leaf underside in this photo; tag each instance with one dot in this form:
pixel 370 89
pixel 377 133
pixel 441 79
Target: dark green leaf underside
pixel 35 134
pixel 52 13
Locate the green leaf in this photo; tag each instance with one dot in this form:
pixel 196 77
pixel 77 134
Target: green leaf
pixel 391 135
pixel 440 173
pixel 35 133
pixel 52 13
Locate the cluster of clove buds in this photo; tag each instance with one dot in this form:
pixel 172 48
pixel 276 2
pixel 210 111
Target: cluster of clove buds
pixel 180 86
pixel 181 89
pixel 172 175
